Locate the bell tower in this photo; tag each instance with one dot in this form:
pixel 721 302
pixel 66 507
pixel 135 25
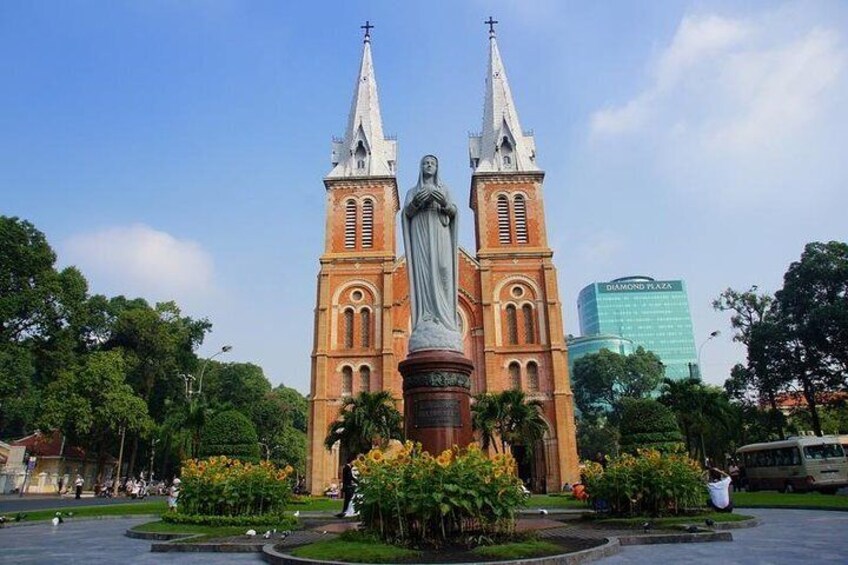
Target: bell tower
pixel 353 347
pixel 524 343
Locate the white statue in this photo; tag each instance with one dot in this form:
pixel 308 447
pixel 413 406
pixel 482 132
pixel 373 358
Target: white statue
pixel 429 236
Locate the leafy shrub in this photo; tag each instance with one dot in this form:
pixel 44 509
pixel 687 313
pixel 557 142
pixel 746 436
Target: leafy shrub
pixel 645 423
pixel 279 521
pixel 220 486
pixel 232 434
pixel 408 496
pixel 652 483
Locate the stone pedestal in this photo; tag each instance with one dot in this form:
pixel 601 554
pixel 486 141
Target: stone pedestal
pixel 436 396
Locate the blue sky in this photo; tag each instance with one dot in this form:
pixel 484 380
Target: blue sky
pixel 176 150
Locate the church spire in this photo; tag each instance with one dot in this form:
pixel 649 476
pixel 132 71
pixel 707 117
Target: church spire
pixel 502 146
pixel 364 151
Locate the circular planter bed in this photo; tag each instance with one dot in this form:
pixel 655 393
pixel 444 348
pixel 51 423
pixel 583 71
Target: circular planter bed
pixel 550 549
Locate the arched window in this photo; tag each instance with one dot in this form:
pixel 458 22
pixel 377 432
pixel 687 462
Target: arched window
pixel 348 328
pixel 367 223
pixel 347 381
pixel 532 377
pixel 529 325
pixel 503 221
pixel 350 224
pixel 511 325
pixel 520 207
pixel 515 376
pixel 365 327
pixel 364 379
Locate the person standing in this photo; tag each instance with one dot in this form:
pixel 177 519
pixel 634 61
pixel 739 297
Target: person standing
pixel 61 484
pixel 348 487
pixel 78 486
pixel 173 495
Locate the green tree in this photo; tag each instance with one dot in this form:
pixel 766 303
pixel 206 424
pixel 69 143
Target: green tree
pixel 601 380
pixel 235 385
pixel 764 377
pixel 509 417
pixel 365 420
pixel 705 415
pixel 812 318
pixel 92 406
pixel 230 433
pixel 646 423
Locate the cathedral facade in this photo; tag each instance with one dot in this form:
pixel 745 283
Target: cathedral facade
pixel 511 316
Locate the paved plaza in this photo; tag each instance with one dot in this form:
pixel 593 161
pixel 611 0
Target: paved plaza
pixel 785 536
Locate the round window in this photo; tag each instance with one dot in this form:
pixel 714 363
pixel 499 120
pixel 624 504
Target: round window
pixel 517 291
pixel 356 295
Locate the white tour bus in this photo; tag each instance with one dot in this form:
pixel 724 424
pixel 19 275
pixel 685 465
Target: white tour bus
pixel 796 464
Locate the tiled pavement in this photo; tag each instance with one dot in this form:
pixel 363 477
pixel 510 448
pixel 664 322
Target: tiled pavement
pixel 785 536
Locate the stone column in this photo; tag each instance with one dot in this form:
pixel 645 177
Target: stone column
pixel 437 395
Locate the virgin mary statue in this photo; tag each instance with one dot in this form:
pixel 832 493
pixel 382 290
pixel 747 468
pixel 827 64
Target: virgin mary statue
pixel 429 236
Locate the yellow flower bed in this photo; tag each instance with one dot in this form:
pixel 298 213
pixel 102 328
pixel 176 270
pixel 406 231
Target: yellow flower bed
pixel 651 483
pixel 222 486
pixel 407 495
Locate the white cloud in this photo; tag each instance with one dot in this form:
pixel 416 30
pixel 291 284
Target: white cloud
pixel 739 108
pixel 139 260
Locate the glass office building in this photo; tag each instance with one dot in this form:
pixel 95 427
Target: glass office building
pixel 652 314
pixel 586 345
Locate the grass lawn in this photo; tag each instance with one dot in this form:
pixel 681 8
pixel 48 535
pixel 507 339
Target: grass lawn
pixel 209 532
pixel 558 501
pixel 672 520
pixel 517 550
pixel 316 504
pixel 355 552
pixel 810 499
pixel 130 509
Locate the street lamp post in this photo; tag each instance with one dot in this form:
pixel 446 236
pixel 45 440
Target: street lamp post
pixel 206 362
pixel 713 335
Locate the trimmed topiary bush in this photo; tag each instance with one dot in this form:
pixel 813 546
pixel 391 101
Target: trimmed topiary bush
pixel 645 424
pixel 232 434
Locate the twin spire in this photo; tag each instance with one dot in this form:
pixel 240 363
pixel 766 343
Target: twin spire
pixel 502 146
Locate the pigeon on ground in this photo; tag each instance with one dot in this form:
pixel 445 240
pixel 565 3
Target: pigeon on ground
pixel 543 512
pixel 55 520
pixel 250 533
pixel 710 522
pixel 692 529
pixel 647 526
pixel 297 513
pixel 59 518
pixel 267 535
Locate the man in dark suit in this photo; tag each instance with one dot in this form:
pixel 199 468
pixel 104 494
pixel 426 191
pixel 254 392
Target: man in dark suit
pixel 348 486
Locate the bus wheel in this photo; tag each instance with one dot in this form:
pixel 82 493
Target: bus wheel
pixel 788 488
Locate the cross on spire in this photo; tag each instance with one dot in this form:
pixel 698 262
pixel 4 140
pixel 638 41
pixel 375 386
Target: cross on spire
pixel 491 23
pixel 367 27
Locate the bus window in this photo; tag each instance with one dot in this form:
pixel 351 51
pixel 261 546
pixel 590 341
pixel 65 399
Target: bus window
pixel 828 450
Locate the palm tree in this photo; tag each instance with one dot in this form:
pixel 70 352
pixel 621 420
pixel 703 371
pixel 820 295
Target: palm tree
pixel 510 416
pixel 703 411
pixel 365 420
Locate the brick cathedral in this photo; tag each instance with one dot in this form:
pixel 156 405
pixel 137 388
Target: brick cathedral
pixel 511 316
